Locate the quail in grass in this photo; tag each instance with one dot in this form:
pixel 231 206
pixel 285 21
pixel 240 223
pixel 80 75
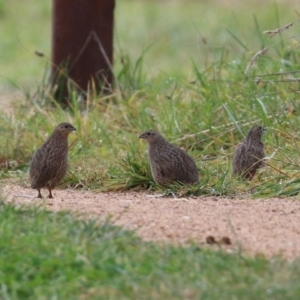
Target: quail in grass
pixel 248 156
pixel 50 162
pixel 169 163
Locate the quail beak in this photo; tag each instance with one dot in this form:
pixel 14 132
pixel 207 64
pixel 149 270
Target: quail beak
pixel 141 136
pixel 73 129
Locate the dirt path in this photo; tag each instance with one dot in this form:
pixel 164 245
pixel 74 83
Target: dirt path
pixel 268 226
pixel 8 98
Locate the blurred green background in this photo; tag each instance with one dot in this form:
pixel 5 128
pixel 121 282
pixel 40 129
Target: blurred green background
pixel 174 33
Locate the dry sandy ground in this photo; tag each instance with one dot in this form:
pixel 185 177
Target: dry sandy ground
pixel 268 227
pixel 8 98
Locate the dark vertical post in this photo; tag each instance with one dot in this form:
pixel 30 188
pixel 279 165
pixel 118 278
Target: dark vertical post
pixel 79 29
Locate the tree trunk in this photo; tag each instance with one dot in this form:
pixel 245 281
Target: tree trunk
pixel 82 45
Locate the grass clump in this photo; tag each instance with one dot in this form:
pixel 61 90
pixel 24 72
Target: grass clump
pixel 55 255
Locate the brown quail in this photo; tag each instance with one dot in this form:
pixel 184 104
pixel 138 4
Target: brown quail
pixel 169 163
pixel 50 162
pixel 248 156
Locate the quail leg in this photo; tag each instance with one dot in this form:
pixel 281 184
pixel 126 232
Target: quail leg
pixel 39 194
pixel 50 194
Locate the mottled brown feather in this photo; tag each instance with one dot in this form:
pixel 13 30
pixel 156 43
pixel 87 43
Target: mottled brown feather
pixel 248 156
pixel 169 163
pixel 50 162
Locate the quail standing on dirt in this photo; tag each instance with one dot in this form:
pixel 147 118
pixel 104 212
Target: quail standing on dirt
pixel 248 156
pixel 169 163
pixel 50 162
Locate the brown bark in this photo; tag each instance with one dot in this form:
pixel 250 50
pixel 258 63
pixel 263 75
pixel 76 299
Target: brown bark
pixel 82 44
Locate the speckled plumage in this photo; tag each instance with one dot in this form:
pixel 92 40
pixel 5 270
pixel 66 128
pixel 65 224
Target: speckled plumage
pixel 248 156
pixel 169 163
pixel 50 162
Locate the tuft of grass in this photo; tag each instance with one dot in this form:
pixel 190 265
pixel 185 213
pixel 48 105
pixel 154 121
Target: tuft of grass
pixel 47 255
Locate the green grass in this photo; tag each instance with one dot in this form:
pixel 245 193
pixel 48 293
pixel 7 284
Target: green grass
pixel 24 29
pixel 55 256
pixel 176 33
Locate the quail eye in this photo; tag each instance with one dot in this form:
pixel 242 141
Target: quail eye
pixel 148 133
pixel 66 126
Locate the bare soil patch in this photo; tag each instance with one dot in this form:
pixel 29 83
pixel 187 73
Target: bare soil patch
pixel 7 99
pixel 269 226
